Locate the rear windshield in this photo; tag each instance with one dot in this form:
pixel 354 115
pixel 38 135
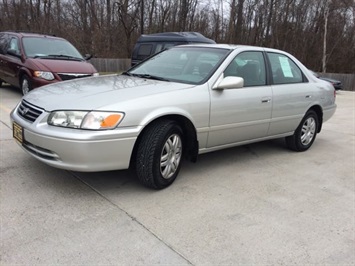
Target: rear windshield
pixel 41 47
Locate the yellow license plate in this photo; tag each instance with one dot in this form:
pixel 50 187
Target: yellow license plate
pixel 17 132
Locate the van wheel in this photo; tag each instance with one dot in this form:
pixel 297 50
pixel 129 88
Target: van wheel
pixel 159 154
pixel 26 84
pixel 305 134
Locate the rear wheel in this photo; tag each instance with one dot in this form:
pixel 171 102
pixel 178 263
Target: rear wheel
pixel 26 84
pixel 159 154
pixel 305 134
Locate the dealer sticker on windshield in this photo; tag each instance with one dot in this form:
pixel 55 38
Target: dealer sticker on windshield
pixel 17 132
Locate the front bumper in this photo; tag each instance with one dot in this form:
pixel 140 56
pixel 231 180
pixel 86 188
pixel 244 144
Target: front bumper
pixel 74 149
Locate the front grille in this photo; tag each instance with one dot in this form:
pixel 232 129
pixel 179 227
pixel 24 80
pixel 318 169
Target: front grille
pixel 69 76
pixel 28 111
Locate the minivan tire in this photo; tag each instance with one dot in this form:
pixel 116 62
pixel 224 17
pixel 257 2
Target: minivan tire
pixel 26 85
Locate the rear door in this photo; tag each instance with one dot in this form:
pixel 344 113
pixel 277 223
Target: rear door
pixel 292 94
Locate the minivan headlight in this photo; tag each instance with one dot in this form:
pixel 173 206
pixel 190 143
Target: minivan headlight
pixel 95 120
pixel 44 75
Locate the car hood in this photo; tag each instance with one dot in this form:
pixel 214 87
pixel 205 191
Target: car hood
pixel 96 93
pixel 63 66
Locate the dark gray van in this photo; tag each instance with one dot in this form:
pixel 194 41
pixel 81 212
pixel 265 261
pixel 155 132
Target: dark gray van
pixel 149 44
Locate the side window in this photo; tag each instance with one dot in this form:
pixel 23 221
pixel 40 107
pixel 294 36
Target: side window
pixel 284 70
pixel 250 66
pixel 162 46
pixel 3 43
pixel 14 45
pixel 144 51
pixel 158 47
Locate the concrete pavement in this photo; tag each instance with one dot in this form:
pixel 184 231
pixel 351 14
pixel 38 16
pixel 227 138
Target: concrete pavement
pixel 255 204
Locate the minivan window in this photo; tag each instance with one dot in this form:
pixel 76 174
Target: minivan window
pixel 144 51
pixel 14 45
pixel 38 47
pixel 3 43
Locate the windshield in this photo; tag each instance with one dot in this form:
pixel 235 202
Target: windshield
pixel 192 65
pixel 49 47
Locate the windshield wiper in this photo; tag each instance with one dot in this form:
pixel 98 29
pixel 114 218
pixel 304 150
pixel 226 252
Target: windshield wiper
pixel 127 74
pixel 51 56
pixel 147 76
pixel 66 57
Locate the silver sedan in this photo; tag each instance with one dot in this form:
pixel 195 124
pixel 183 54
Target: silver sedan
pixel 180 103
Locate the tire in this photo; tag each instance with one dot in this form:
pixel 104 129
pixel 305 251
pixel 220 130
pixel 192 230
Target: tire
pixel 0 82
pixel 305 134
pixel 26 85
pixel 159 154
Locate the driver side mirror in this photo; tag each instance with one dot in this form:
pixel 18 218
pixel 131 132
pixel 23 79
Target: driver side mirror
pixel 230 82
pixel 13 52
pixel 88 56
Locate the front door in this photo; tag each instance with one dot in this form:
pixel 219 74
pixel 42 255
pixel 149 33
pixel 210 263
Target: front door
pixel 242 114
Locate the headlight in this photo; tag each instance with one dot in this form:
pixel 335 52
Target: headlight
pixel 43 74
pixel 85 120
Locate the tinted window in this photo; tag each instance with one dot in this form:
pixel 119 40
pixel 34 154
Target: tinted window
pixel 250 66
pixel 3 43
pixel 284 70
pixel 162 46
pixel 144 51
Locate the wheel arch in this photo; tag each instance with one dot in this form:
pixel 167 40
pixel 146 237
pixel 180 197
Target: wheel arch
pixel 189 131
pixel 23 72
pixel 319 111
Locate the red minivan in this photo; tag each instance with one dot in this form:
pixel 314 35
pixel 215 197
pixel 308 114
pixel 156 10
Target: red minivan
pixel 28 60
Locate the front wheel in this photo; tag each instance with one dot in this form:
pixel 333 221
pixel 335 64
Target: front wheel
pixel 305 134
pixel 159 154
pixel 26 84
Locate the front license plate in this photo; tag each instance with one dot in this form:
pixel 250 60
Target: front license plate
pixel 17 132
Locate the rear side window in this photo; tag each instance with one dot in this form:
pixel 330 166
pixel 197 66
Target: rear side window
pixel 284 70
pixel 3 43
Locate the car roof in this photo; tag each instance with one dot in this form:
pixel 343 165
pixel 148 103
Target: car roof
pixel 232 47
pixel 30 34
pixel 174 36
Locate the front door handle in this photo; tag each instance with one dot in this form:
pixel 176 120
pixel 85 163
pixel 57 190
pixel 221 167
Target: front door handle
pixel 265 99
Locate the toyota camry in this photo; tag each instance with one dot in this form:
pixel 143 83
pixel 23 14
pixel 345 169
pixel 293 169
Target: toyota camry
pixel 180 103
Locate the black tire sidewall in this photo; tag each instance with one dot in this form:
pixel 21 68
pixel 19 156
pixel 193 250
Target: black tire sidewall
pixel 148 170
pixel 159 179
pixel 300 146
pixel 25 77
